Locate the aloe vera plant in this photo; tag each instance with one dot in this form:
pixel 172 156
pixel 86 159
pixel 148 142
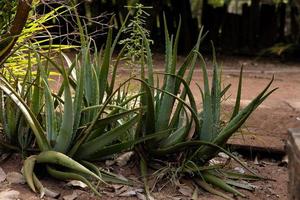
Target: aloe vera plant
pixel 170 108
pixel 192 138
pixel 81 123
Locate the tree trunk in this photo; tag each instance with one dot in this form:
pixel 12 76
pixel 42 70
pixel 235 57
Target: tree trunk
pixel 8 41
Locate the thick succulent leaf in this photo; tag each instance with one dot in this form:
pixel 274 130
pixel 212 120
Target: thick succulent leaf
pixel 100 142
pixel 210 189
pixel 239 176
pixel 188 92
pixel 36 94
pixel 28 114
pixel 221 184
pixel 51 129
pixel 119 147
pixel 246 186
pixel 108 120
pixel 89 78
pixel 147 100
pixel 105 66
pixel 193 168
pixel 63 160
pixel 71 66
pixel 39 186
pixel 241 117
pixel 236 108
pixel 78 99
pixel 207 128
pixel 207 152
pixel 166 102
pixel 85 134
pixel 216 95
pixel 71 176
pixel 192 110
pixel 175 47
pixel 65 134
pixel 28 171
pixel 106 176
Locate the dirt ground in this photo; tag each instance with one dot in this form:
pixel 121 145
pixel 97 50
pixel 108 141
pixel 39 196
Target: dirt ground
pixel 265 132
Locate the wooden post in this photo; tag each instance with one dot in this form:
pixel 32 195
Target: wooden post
pixel 293 149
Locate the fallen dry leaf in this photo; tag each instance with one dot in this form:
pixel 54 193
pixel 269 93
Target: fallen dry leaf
pixel 195 195
pixel 129 192
pixel 186 190
pixel 51 193
pixel 223 155
pixel 123 159
pixel 143 197
pixel 4 156
pixel 110 163
pixel 72 196
pixel 75 183
pixel 256 162
pixel 240 170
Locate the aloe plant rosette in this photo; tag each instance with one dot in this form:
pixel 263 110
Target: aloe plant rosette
pixel 191 138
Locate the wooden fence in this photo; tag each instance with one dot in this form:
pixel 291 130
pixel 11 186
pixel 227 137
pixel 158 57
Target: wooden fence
pixel 257 27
